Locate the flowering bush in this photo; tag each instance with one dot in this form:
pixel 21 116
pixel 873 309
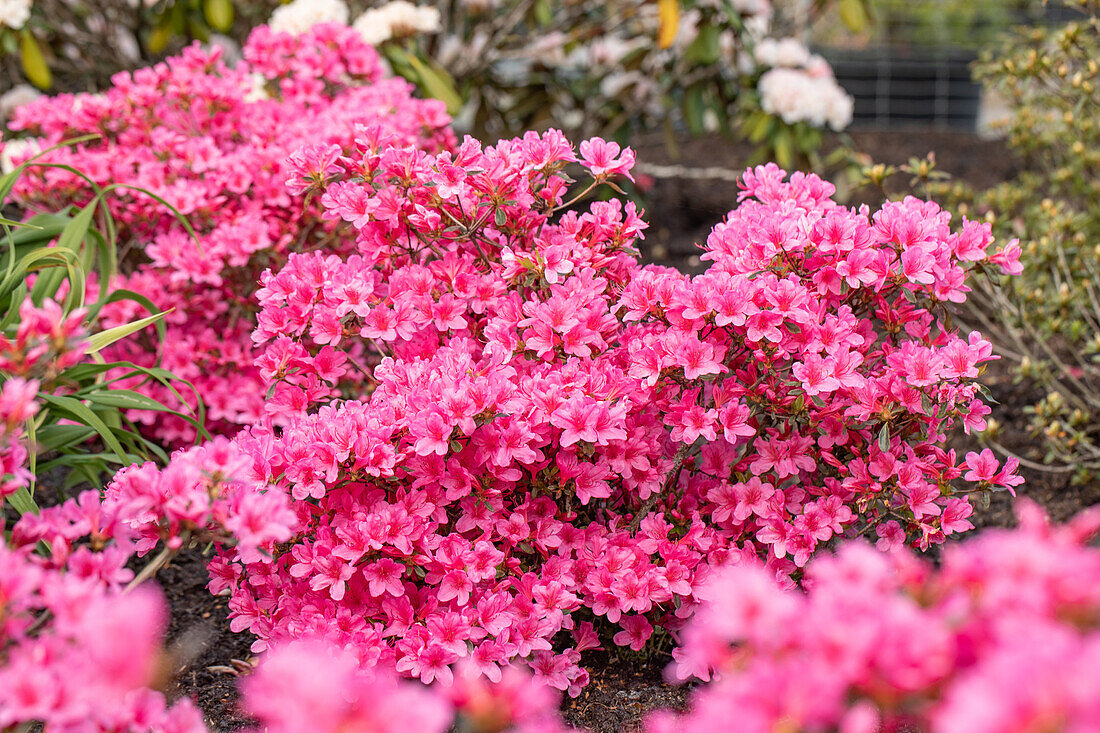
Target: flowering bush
pixel 214 143
pixel 78 651
pixel 79 657
pixel 1001 638
pixel 80 645
pixel 499 428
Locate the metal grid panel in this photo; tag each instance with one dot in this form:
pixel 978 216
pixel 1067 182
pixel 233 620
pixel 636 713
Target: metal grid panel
pixel 914 67
pixel 892 90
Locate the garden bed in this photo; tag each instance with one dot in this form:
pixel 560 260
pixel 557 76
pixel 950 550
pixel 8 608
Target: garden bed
pixel 626 686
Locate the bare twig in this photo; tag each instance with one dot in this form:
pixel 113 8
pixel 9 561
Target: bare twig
pixel 670 479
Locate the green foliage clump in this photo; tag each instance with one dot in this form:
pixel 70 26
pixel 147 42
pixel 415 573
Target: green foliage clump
pixel 1048 319
pixel 64 407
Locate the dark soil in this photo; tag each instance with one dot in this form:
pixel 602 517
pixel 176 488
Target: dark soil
pixel 202 648
pixel 623 691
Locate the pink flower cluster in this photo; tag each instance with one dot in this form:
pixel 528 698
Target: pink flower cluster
pixel 76 653
pixel 46 342
pixel 215 142
pixel 82 653
pixel 80 643
pixel 1004 637
pixel 499 428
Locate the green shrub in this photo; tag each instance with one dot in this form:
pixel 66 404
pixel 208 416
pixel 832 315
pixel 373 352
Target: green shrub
pixel 1048 319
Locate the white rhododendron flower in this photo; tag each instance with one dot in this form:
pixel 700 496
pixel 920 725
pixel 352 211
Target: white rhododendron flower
pixel 819 67
pixel 797 95
pixel 257 88
pixel 15 13
pixel 609 50
pixel 785 52
pixel 15 98
pixel 15 152
pixel 398 19
pixel 299 16
pixel 752 7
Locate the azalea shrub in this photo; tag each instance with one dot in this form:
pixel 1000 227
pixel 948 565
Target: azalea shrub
pixel 81 635
pixel 1002 636
pixel 76 653
pixel 214 143
pixel 505 439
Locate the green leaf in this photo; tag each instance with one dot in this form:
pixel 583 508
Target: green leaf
pixel 884 438
pixel 125 399
pixel 695 110
pixel 38 230
pixel 23 502
pixel 160 36
pixel 853 14
pixel 72 236
pixel 83 372
pixel 783 144
pixel 219 14
pixel 121 294
pixel 11 311
pixel 706 48
pixel 80 412
pixel 101 340
pixel 437 84
pixel 36 260
pixel 758 126
pixel 57 437
pixel 399 61
pixel 500 218
pixel 543 13
pixel 34 63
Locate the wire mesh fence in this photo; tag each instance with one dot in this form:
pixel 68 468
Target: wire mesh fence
pixel 912 66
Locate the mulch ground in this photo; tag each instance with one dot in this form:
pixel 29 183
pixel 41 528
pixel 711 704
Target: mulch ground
pixel 623 690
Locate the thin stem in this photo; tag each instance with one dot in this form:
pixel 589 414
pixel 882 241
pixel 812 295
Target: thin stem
pixel 576 198
pixel 670 479
pixel 1030 464
pixel 150 568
